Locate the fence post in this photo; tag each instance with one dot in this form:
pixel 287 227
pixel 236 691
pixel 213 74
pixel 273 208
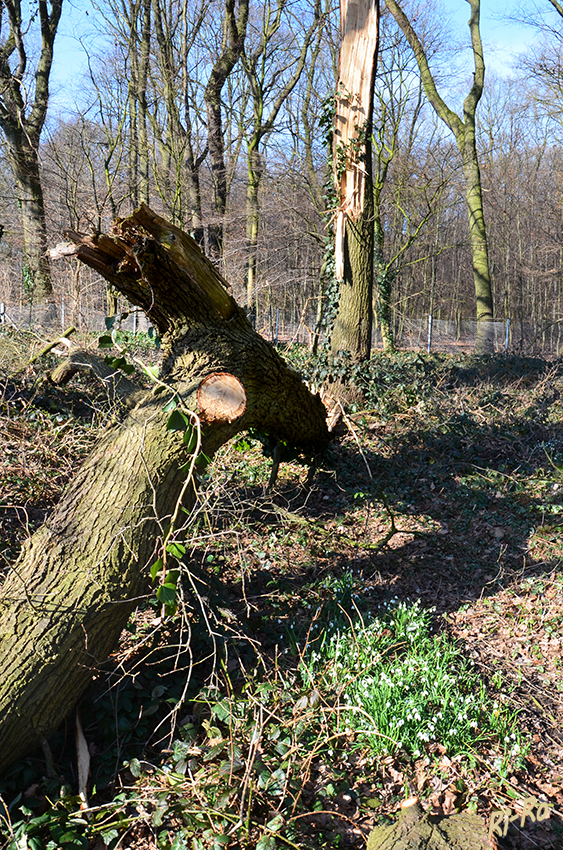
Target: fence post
pixel 134 323
pixel 506 337
pixel 2 318
pixel 63 313
pixel 429 332
pixel 277 323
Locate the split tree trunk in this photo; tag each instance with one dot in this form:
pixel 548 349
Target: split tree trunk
pixel 63 606
pixel 352 149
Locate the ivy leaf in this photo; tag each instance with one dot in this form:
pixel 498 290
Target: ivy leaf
pixel 166 594
pixel 171 405
pixel 152 371
pixel 110 322
pixel 177 550
pixel 172 577
pixel 105 341
pixel 190 438
pixel 275 824
pixel 266 843
pixel 156 568
pixel 177 421
pixel 135 767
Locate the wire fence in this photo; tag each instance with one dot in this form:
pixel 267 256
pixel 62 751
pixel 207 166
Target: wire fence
pixel 54 317
pixel 504 336
pixel 427 333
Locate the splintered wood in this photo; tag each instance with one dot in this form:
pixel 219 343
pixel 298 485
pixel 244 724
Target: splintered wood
pixel 221 397
pixel 359 23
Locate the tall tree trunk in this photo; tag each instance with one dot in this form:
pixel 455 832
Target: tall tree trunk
pixel 478 234
pixel 464 132
pixel 177 140
pixel 133 143
pixel 37 270
pixel 352 329
pixel 233 45
pixel 63 606
pixel 384 278
pixel 354 244
pixel 261 86
pixel 252 225
pixel 22 118
pixel 142 98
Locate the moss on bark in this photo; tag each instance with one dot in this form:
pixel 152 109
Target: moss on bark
pixel 415 829
pixel 63 606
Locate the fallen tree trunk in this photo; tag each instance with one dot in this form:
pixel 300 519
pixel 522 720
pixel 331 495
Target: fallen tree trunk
pixel 65 602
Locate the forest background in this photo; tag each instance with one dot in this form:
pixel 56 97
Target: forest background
pixel 446 488
pixel 225 134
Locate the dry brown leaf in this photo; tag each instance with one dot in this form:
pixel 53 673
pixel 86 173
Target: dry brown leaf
pixel 449 804
pixel 548 789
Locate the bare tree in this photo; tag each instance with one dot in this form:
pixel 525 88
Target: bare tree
pixel 177 100
pixel 273 62
pixel 232 45
pixel 464 131
pixel 24 99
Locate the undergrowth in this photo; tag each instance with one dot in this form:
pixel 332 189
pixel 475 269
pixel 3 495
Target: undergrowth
pixel 241 769
pixel 401 688
pixel 298 696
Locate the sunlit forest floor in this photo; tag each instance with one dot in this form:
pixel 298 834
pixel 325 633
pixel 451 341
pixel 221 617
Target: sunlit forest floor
pixel 390 628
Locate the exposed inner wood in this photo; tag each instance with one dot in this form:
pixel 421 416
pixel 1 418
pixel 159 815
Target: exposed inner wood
pixel 359 27
pixel 221 397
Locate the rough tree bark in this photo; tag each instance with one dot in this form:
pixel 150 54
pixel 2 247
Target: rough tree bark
pixel 64 604
pixel 416 829
pixel 21 120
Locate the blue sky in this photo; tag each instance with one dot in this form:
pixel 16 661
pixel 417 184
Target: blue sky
pixel 77 22
pixel 503 40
